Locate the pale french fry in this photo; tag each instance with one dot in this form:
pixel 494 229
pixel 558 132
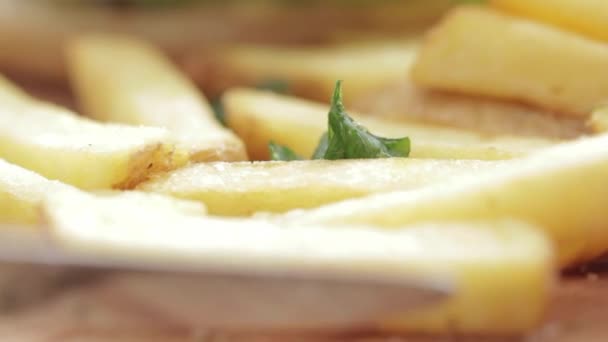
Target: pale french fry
pixel 119 79
pixel 240 189
pixel 598 122
pixel 10 93
pixel 143 201
pixel 21 192
pixel 259 117
pixel 563 190
pixel 310 72
pixel 530 62
pixel 406 101
pixel 60 145
pixel 588 17
pixel 476 256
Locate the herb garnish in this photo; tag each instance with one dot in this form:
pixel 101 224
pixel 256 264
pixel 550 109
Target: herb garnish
pixel 280 152
pixel 275 85
pixel 218 111
pixel 346 139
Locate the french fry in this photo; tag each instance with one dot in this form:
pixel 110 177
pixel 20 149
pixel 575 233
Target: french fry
pixel 476 256
pixel 143 201
pixel 598 122
pixel 259 117
pixel 562 190
pixel 60 145
pixel 588 17
pixel 405 101
pixel 22 192
pixel 10 93
pixel 514 58
pixel 125 80
pixel 310 72
pixel 240 189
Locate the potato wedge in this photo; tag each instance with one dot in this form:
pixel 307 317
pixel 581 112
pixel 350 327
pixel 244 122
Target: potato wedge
pixel 60 145
pixel 119 79
pixel 259 117
pixel 241 189
pixel 476 256
pixel 22 192
pixel 408 102
pixel 562 190
pixel 531 62
pixel 598 122
pixel 310 72
pixel 588 17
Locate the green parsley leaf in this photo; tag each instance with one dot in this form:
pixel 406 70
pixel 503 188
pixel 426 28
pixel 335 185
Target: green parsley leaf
pixel 280 152
pixel 274 85
pixel 321 147
pixel 218 110
pixel 346 139
pixel 349 140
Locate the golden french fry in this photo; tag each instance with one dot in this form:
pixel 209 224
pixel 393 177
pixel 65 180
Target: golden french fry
pixel 408 102
pixel 124 80
pixel 514 58
pixel 60 145
pixel 598 122
pixel 310 72
pixel 259 117
pixel 477 256
pixel 588 17
pixel 240 189
pixel 562 190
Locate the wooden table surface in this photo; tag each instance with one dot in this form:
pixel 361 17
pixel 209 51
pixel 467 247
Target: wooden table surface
pixel 91 312
pixel 95 311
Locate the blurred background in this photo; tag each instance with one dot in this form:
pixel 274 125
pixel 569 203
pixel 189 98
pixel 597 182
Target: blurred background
pixel 196 33
pixel 297 47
